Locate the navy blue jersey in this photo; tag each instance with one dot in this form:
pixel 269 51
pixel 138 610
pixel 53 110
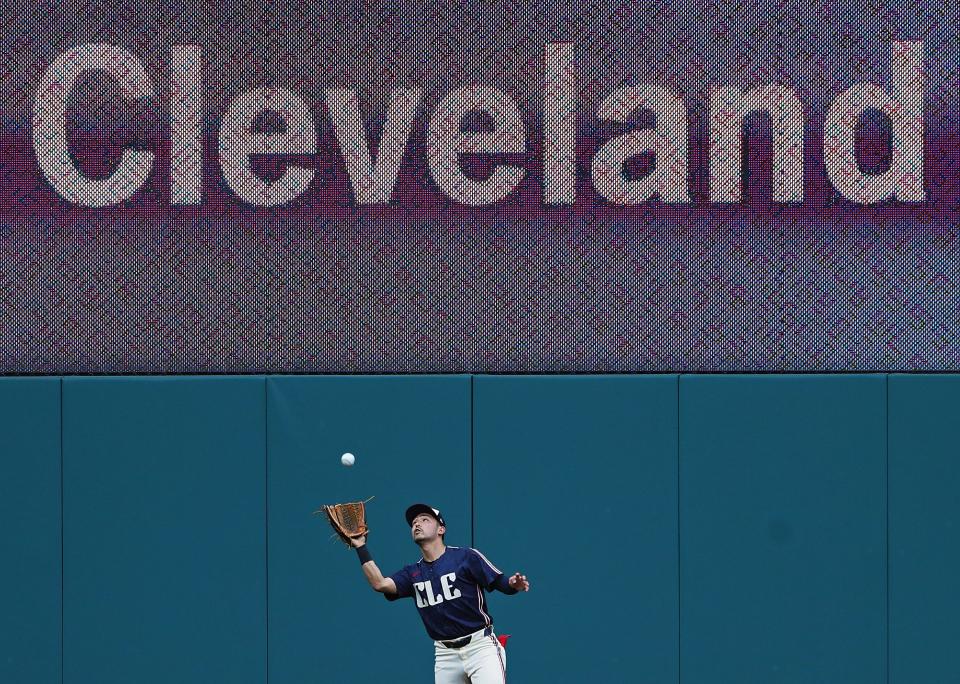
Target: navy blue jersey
pixel 449 592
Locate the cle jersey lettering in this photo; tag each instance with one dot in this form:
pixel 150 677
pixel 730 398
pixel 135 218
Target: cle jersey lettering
pixel 424 591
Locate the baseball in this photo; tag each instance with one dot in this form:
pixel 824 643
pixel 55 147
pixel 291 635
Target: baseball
pixel 347 459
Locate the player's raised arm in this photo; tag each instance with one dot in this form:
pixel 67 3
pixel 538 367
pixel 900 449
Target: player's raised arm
pixel 377 581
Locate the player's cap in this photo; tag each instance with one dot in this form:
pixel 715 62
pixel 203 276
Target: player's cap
pixel 418 508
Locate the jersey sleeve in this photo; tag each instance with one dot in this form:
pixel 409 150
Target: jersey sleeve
pixel 404 583
pixel 481 570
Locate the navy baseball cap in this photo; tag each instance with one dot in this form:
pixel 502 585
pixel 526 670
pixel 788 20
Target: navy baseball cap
pixel 418 508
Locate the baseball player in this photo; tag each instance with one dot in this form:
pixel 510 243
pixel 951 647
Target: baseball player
pixel 448 583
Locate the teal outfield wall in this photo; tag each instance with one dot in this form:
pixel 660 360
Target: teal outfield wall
pixel 694 528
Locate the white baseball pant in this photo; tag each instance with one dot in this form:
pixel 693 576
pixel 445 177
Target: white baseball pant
pixel 482 661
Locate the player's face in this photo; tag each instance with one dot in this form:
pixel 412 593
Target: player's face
pixel 425 528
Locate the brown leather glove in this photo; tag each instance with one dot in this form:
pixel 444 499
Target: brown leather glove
pixel 348 520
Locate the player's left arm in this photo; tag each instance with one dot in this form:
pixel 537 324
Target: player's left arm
pixel 488 575
pixel 514 584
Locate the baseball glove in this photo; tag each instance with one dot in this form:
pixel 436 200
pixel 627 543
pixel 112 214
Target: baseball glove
pixel 348 520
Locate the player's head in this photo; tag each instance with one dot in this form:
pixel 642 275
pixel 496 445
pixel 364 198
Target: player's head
pixel 426 523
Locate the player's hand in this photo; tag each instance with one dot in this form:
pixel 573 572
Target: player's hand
pixel 357 542
pixel 519 582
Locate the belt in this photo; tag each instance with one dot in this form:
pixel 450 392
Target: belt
pixel 460 643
